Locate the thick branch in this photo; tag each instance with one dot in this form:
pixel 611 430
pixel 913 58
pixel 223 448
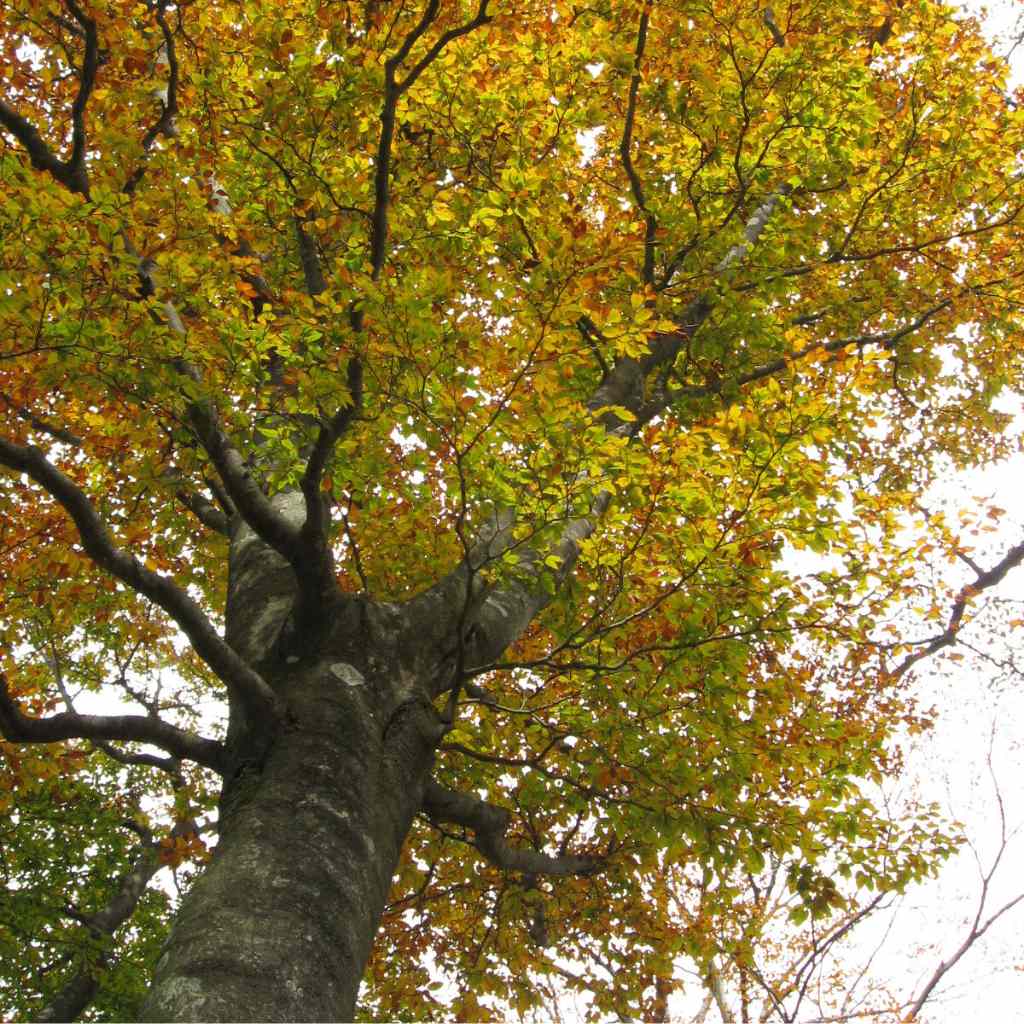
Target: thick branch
pixel 166 123
pixel 38 152
pixel 205 511
pixel 313 534
pixel 312 270
pixel 86 83
pixel 244 491
pixel 489 824
pixel 625 384
pixel 393 90
pixel 198 504
pixel 382 165
pixel 480 18
pixel 503 614
pixel 18 727
pixel 241 680
pixel 312 540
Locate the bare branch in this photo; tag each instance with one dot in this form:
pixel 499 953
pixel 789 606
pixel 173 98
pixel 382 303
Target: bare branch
pixel 242 681
pixel 489 824
pixel 978 929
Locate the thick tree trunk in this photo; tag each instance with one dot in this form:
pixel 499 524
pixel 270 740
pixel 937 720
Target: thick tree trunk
pixel 280 925
pixel 313 817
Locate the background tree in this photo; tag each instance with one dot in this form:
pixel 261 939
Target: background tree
pixel 449 393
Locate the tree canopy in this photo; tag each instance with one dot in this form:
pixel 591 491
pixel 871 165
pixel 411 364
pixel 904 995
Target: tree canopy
pixel 635 334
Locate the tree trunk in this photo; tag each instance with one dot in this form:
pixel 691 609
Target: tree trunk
pixel 280 925
pixel 312 819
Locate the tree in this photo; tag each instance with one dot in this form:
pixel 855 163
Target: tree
pixel 511 416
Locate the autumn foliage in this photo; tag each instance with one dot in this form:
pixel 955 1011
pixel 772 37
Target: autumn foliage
pixel 687 304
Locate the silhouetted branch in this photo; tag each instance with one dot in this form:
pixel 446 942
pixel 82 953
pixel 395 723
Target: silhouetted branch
pixel 982 581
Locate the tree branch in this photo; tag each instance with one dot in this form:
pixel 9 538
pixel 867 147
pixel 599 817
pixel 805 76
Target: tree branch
pixel 982 581
pixel 626 147
pixel 978 926
pixel 315 564
pixel 43 426
pixel 171 765
pixel 39 153
pixel 624 386
pixel 200 506
pixel 489 824
pixel 504 613
pixel 86 82
pixel 205 511
pixel 76 994
pixel 18 727
pixel 393 90
pixel 309 258
pixel 887 340
pixel 71 172
pixel 313 533
pixel 165 124
pixel 242 681
pixel 245 492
